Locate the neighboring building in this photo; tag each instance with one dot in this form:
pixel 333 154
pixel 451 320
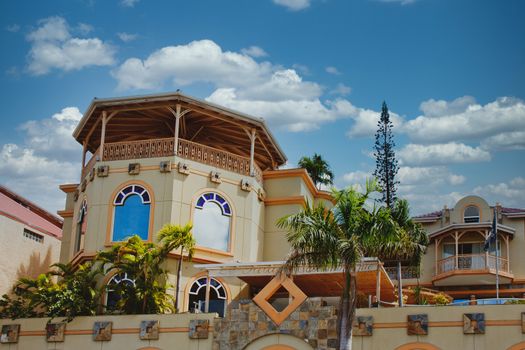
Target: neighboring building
pixel 29 239
pixel 455 261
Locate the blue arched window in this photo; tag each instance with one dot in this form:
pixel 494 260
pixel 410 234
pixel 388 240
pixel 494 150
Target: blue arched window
pixel 212 221
pixel 132 213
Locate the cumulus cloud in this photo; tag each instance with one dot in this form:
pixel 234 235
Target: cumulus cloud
pixel 53 47
pixel 365 122
pixel 428 176
pixel 293 5
pixel 278 94
pixel 254 51
pixel 446 153
pixel 127 37
pixel 508 193
pixel 464 119
pixel 13 28
pixel 129 3
pixel 49 157
pixel 332 70
pixel 341 89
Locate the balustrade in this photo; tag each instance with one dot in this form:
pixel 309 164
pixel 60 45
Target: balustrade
pixel 471 262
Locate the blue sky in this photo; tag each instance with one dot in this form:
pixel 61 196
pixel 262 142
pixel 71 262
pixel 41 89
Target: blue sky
pixel 452 73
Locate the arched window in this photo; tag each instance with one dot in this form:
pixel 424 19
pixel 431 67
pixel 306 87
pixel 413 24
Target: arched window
pixel 471 214
pixel 132 213
pixel 212 222
pixel 114 288
pixel 197 297
pixel 81 227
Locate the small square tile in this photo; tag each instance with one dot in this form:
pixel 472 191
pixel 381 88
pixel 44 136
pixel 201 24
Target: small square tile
pixel 9 333
pixel 199 329
pixel 149 330
pixel 417 324
pixel 474 323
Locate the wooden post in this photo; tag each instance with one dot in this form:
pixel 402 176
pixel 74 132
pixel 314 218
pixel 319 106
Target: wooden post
pixel 487 265
pixel 207 300
pixel 252 151
pixel 508 254
pixel 103 134
pixel 456 238
pixel 378 285
pixel 436 251
pixel 84 149
pixel 177 122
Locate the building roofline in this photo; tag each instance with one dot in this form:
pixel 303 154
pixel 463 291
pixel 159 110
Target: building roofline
pixel 32 206
pixel 116 101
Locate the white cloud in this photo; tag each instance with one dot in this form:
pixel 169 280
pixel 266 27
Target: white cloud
pixel 446 153
pixel 52 136
pixel 278 94
pixel 428 176
pixel 127 37
pixel 48 158
pixel 514 140
pixel 509 194
pixel 52 47
pixel 13 28
pixel 84 28
pixel 341 89
pixel 365 122
pixel 129 3
pixel 402 2
pixel 293 5
pixel 464 119
pixel 254 51
pixel 332 70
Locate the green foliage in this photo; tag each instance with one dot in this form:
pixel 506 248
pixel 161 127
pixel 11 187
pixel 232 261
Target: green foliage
pixel 68 291
pixel 440 299
pixel 61 292
pixel 318 169
pixel 386 163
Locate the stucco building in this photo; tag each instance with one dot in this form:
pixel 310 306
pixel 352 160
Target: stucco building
pixel 171 158
pixel 29 239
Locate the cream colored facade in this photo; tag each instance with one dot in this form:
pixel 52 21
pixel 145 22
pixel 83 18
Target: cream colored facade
pixel 254 235
pixel 455 261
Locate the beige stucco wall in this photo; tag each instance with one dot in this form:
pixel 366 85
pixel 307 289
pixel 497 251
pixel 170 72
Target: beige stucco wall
pixel 78 335
pixel 21 256
pixel 503 328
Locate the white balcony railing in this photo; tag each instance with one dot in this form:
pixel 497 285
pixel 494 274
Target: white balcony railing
pixel 472 262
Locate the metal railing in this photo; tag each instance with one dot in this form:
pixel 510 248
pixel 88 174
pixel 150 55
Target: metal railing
pixel 407 272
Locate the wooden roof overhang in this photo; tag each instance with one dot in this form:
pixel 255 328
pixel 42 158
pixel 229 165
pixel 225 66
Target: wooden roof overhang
pixel 313 283
pixel 152 117
pixel 472 227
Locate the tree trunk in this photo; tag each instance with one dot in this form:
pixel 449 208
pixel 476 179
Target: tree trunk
pixel 347 314
pixel 177 288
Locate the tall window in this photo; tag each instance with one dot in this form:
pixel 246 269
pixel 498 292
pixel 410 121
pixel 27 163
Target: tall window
pixel 132 213
pixel 212 222
pixel 117 285
pixel 471 214
pixel 198 296
pixel 81 227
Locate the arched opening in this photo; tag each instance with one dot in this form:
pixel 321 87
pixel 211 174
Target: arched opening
pixel 519 346
pixel 471 214
pixel 417 346
pixel 197 296
pixel 278 342
pixel 114 289
pixel 132 213
pixel 212 222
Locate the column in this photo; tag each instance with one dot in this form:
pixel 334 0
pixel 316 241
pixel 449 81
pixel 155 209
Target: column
pixel 103 135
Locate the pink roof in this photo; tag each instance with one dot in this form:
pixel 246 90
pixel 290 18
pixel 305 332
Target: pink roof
pixel 20 209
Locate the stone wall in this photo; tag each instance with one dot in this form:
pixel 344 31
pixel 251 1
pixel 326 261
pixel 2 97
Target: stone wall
pixel 313 321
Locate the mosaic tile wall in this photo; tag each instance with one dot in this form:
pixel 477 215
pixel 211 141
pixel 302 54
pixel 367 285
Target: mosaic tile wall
pixel 313 321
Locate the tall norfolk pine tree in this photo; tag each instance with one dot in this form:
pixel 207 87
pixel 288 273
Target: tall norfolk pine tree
pixel 386 163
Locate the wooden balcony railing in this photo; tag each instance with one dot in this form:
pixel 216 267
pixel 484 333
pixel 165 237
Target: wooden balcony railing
pixel 186 149
pixel 472 262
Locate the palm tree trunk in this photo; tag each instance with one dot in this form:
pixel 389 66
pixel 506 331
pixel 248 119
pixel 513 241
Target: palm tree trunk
pixel 347 307
pixel 177 288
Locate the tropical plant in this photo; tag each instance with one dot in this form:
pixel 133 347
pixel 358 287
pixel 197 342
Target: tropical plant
pixel 338 238
pixel 184 240
pixel 143 263
pixel 73 293
pixel 386 163
pixel 318 169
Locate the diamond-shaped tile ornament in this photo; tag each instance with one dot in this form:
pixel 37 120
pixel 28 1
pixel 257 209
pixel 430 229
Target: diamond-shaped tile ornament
pixel 297 295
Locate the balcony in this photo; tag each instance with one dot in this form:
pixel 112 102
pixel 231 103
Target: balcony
pixel 465 269
pixel 163 147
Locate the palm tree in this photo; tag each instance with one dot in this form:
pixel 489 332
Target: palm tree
pixel 338 238
pixel 318 169
pixel 181 237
